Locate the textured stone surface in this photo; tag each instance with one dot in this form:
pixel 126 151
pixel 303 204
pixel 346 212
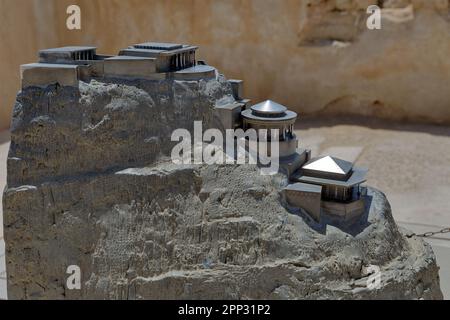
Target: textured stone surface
pixel 61 132
pixel 313 56
pixel 140 227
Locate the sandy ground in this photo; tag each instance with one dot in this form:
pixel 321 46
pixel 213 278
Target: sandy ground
pixel 410 163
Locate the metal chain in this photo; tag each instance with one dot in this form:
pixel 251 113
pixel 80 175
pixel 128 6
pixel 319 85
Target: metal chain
pixel 430 233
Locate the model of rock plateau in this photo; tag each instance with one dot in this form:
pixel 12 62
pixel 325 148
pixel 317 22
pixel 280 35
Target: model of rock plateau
pixel 90 183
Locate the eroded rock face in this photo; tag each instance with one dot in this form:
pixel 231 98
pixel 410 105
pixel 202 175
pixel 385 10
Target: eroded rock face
pixel 104 196
pixel 62 132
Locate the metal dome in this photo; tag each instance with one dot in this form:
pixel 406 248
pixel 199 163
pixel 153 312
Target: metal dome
pixel 269 111
pixel 269 108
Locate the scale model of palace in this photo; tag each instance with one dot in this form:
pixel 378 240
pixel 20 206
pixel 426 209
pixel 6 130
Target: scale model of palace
pixel 318 186
pixel 151 60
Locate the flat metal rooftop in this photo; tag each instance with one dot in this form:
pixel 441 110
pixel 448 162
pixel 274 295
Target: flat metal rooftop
pixel 160 46
pixel 304 187
pixel 68 49
pixel 197 69
pixel 129 58
pixel 358 176
pixel 48 65
pixel 287 116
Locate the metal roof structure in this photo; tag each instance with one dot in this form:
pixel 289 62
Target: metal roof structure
pixel 67 55
pixel 160 46
pixel 328 164
pixel 304 187
pixel 269 107
pixel 357 176
pixel 71 49
pixel 157 49
pixel 269 111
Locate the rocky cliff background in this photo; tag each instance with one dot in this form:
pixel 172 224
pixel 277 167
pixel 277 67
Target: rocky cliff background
pixel 316 56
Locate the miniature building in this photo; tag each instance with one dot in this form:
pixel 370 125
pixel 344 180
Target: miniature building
pixel 195 73
pixel 269 115
pixel 152 61
pixel 339 180
pixel 40 74
pixel 340 187
pixel 323 185
pixel 342 210
pixel 305 196
pixel 229 115
pixel 238 88
pixel 263 117
pixel 68 55
pixel 169 57
pixel 129 67
pixel 64 65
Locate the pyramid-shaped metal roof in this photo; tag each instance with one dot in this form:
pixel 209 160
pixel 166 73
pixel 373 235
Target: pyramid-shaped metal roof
pixel 328 164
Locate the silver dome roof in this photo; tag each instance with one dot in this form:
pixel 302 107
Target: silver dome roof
pixel 269 107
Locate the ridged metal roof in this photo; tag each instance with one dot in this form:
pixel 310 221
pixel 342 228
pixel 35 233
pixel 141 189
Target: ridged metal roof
pixel 162 46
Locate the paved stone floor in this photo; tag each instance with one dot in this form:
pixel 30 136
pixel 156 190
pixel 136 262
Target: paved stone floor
pixel 410 163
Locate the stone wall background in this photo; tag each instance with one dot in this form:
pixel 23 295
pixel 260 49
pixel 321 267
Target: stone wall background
pixel 316 56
